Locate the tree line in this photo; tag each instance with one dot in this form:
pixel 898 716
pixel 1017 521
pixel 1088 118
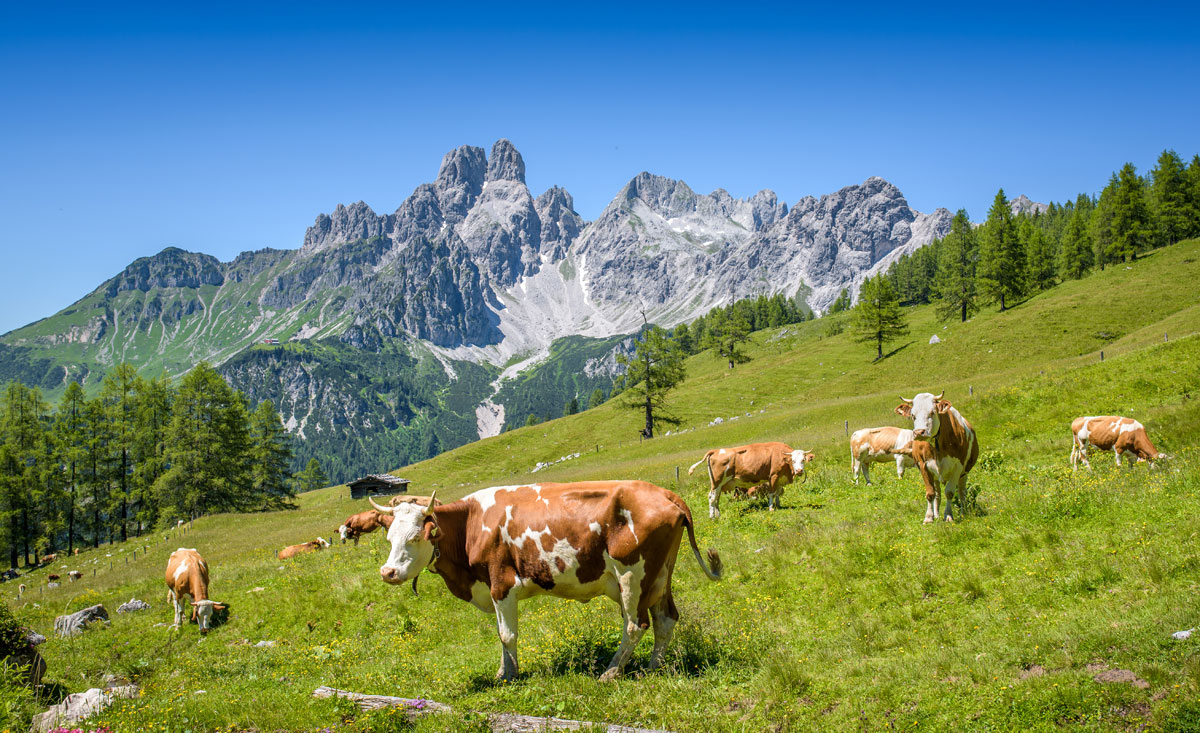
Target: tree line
pixel 141 454
pixel 1010 257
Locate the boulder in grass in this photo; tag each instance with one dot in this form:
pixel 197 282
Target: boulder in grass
pixel 78 706
pixel 80 620
pixel 934 339
pixel 133 605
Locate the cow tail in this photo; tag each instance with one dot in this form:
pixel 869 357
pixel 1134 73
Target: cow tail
pixel 697 463
pixel 714 566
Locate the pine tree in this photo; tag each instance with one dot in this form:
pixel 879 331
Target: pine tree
pixel 208 449
pixel 70 444
pixel 150 444
pixel 1001 259
pixel 1040 253
pixel 656 367
pixel 842 303
pixel 311 478
pixel 271 458
pixel 727 331
pixel 956 286
pixel 1132 229
pixel 1192 187
pixel 119 394
pixel 877 317
pixel 597 398
pixel 571 407
pixel 97 433
pixel 1171 207
pixel 1075 252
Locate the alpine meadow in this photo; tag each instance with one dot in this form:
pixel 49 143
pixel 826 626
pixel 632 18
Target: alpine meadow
pixel 1049 604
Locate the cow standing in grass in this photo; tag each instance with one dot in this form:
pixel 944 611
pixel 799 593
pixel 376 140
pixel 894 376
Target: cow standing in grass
pixel 880 445
pixel 187 575
pixel 1124 436
pixel 362 523
pixel 944 449
pixel 772 465
pixel 575 540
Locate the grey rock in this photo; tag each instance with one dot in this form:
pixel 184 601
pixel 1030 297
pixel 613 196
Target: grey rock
pixel 33 638
pixel 1182 635
pixel 170 268
pixel 1024 205
pixel 560 225
pixel 345 224
pixel 80 620
pixel 934 339
pixel 459 181
pixel 266 643
pixel 505 163
pixel 79 706
pixel 133 605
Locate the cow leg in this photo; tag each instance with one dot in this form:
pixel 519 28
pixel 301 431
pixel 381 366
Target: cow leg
pixel 629 581
pixel 1117 453
pixel 899 466
pixel 664 614
pixel 855 467
pixel 932 495
pixel 952 482
pixel 866 469
pixel 178 603
pixel 714 498
pixel 506 626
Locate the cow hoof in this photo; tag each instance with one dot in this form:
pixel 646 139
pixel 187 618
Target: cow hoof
pixel 928 520
pixel 610 674
pixel 950 520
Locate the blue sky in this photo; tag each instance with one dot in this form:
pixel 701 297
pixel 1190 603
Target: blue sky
pixel 221 129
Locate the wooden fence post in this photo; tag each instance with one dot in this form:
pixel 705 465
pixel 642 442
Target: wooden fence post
pixel 846 425
pixel 677 474
pixel 1101 355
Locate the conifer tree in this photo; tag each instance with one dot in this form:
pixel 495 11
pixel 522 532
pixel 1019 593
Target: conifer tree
pixel 119 394
pixel 1132 230
pixel 842 303
pixel 70 444
pixel 656 367
pixel 571 407
pixel 1192 187
pixel 1042 259
pixel 1171 205
pixel 596 399
pixel 1075 253
pixel 312 477
pixel 1001 259
pixel 727 331
pixel 956 286
pixel 150 444
pixel 270 458
pixel 877 318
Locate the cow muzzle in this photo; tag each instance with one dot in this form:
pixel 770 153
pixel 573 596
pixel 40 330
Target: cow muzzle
pixel 920 435
pixel 390 575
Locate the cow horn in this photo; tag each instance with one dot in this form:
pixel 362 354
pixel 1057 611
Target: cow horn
pixel 414 585
pixel 939 397
pixel 906 400
pixel 381 509
pixel 429 508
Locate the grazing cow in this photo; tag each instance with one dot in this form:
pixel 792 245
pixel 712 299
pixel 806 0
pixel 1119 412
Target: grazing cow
pixel 187 575
pixel 362 523
pixel 20 590
pixel 293 550
pixel 51 578
pixel 75 575
pixel 944 448
pixel 47 559
pixel 1123 436
pixel 772 464
pixel 880 445
pixel 575 540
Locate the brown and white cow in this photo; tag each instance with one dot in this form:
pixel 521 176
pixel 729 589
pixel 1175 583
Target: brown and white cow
pixel 880 445
pixel 575 540
pixel 75 575
pixel 772 464
pixel 944 448
pixel 1124 436
pixel 187 575
pixel 357 525
pixel 293 550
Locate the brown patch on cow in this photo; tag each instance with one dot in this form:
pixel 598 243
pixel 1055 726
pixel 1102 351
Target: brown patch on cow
pixel 1124 676
pixel 1033 670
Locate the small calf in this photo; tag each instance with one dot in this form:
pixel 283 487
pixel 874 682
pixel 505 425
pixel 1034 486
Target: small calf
pixel 293 550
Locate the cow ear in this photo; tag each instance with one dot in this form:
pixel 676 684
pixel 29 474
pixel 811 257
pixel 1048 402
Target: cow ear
pixel 943 406
pixel 808 457
pixel 904 409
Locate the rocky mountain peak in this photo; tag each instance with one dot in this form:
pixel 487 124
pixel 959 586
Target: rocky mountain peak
pixel 459 180
pixel 1024 205
pixel 505 163
pixel 170 268
pixel 345 224
pixel 560 224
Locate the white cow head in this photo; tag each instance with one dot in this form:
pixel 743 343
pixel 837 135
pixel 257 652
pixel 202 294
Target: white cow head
pixel 924 410
pixel 799 458
pixel 204 611
pixel 412 550
pixel 342 530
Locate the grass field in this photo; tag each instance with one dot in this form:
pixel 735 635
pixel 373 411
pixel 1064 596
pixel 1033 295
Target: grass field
pixel 840 611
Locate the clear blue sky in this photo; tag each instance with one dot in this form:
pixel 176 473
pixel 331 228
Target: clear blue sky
pixel 225 129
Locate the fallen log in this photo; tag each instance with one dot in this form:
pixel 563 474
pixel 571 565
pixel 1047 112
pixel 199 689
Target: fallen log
pixel 499 722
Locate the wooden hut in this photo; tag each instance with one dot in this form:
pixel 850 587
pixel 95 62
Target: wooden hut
pixel 377 484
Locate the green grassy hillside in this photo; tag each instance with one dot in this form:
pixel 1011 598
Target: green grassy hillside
pixel 840 611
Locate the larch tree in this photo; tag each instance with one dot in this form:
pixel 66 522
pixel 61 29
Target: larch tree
pixel 1171 205
pixel 727 331
pixel 312 477
pixel 877 318
pixel 959 256
pixel 270 458
pixel 1132 229
pixel 1001 259
pixel 70 444
pixel 1075 252
pixel 655 368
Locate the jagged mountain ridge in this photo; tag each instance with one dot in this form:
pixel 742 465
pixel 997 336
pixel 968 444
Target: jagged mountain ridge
pixel 470 268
